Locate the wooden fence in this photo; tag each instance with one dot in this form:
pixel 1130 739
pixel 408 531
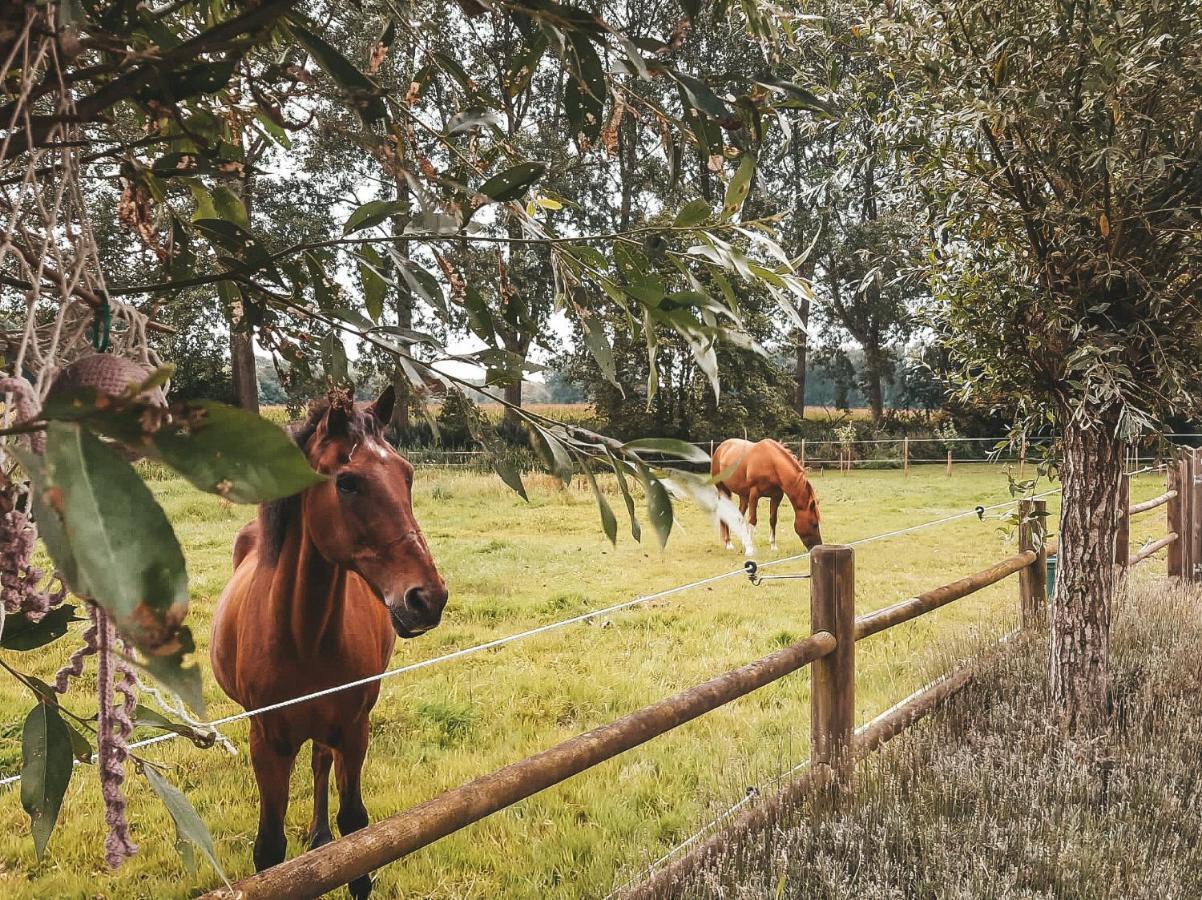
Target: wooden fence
pixel 835 742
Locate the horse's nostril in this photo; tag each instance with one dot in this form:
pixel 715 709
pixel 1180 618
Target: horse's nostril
pixel 426 601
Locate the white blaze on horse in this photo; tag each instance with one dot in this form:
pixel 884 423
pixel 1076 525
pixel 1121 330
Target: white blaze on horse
pixel 766 469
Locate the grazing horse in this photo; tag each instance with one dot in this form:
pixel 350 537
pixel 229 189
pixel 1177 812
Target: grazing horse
pixel 766 469
pixel 323 583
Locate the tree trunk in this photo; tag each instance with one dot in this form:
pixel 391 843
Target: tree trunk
pixel 242 336
pixel 801 353
pixel 242 364
pixel 1085 572
pixel 873 377
pixel 404 312
pixel 513 394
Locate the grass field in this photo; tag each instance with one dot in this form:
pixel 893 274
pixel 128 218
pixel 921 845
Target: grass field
pixel 512 565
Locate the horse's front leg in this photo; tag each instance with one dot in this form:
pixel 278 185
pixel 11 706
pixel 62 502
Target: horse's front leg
pixel 753 504
pixel 352 814
pixel 773 508
pixel 272 762
pixel 319 828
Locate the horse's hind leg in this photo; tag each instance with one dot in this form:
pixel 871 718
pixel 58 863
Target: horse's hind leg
pixel 319 828
pixel 273 769
pixel 723 527
pixel 352 814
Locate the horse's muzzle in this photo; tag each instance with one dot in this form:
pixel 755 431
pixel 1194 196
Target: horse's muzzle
pixel 419 610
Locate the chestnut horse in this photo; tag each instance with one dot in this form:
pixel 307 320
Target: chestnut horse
pixel 766 469
pixel 323 583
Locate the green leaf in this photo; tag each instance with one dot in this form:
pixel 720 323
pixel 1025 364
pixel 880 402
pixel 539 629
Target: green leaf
pixel 205 208
pixel 230 207
pixel 598 344
pixel 524 66
pixel 190 832
pixel 333 356
pixel 692 213
pixel 20 633
pixel 513 183
pixel 555 454
pixel 609 522
pixel 46 764
pixel 145 717
pixel 375 285
pixel 584 92
pixel 659 505
pixel 739 187
pixel 699 96
pixel 236 454
pixel 372 213
pixel 183 681
pixel 668 447
pixel 109 538
pixel 509 474
pixel 343 72
pixel 636 530
pixel 801 97
pixel 81 747
pixel 479 316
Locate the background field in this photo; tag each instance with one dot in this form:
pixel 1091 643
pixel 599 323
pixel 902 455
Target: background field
pixel 512 565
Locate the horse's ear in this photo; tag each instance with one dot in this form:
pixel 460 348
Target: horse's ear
pixel 382 407
pixel 337 420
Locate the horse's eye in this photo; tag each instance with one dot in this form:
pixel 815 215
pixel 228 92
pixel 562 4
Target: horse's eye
pixel 347 484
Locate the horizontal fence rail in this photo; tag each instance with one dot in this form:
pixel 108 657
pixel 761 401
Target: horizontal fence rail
pixel 1147 505
pixel 890 616
pixel 326 868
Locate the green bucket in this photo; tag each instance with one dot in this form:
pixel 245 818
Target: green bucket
pixel 1051 574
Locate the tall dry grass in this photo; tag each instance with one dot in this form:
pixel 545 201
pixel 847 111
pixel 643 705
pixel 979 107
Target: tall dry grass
pixel 987 799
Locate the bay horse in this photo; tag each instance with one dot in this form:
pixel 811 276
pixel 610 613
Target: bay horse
pixel 323 584
pixel 766 469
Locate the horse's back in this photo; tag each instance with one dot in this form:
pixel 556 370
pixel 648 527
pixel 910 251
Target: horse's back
pixel 730 458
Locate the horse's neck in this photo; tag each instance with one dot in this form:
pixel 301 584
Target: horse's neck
pixel 792 477
pixel 307 591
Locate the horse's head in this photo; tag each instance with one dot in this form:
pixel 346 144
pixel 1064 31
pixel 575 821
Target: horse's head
pixel 361 517
pixel 806 519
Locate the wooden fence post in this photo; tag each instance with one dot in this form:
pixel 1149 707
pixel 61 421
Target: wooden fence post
pixel 1176 522
pixel 906 455
pixel 1122 534
pixel 1194 524
pixel 803 452
pixel 949 462
pixel 833 678
pixel 1033 580
pixel 1022 458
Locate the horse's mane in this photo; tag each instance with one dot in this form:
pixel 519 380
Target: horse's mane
pixel 801 474
pixel 277 516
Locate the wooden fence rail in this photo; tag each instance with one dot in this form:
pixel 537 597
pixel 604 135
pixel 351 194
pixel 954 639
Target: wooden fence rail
pixel 835 744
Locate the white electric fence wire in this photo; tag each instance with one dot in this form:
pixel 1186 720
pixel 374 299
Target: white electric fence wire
pixel 543 629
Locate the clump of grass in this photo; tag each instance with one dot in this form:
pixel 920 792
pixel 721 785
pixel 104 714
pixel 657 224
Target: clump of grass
pixel 988 799
pixel 452 721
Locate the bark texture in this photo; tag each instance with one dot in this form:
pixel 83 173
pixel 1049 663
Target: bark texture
pixel 1086 578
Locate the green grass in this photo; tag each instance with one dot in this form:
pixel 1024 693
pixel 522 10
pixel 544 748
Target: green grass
pixel 510 566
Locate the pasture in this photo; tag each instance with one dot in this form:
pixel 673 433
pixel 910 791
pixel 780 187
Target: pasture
pixel 510 566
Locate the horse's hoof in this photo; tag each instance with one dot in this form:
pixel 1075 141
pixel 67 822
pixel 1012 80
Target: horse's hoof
pixel 729 545
pixel 360 888
pixel 773 548
pixel 320 839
